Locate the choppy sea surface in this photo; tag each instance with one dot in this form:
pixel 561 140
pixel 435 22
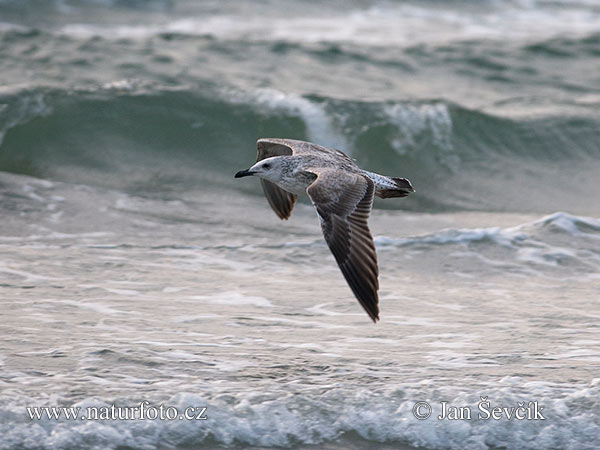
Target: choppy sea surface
pixel 134 268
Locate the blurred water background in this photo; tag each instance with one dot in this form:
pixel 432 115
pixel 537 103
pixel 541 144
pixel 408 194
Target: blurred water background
pixel 133 267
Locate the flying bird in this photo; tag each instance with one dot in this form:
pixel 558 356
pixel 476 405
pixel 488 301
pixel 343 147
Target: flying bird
pixel 342 194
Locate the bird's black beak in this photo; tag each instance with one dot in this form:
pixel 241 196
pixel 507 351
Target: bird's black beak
pixel 243 173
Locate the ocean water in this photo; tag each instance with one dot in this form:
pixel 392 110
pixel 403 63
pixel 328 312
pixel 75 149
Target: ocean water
pixel 135 270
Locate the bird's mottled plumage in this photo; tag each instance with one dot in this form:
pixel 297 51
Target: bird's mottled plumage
pixel 342 194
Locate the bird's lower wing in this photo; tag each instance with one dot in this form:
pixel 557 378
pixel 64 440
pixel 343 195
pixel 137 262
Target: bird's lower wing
pixel 343 202
pixel 280 200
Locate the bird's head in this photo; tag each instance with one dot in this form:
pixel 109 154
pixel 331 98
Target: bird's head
pixel 269 169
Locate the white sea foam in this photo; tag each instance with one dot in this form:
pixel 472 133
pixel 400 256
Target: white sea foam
pixel 125 292
pixel 173 289
pixel 320 309
pixel 412 120
pixel 383 24
pixel 25 108
pixel 126 84
pixel 194 318
pixel 570 224
pixel 96 307
pixel 319 125
pixel 546 255
pixel 54 235
pixel 25 275
pixel 233 298
pixel 6 27
pixel 557 240
pixel 506 237
pixel 266 421
pixel 301 323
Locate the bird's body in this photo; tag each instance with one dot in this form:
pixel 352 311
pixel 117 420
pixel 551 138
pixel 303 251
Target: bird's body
pixel 341 192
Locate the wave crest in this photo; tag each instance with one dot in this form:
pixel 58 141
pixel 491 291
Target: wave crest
pixel 132 133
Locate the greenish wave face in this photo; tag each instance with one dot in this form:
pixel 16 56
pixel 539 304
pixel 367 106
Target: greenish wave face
pixel 153 139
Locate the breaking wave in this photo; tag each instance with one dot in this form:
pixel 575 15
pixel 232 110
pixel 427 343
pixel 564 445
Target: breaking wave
pixel 365 418
pixel 131 134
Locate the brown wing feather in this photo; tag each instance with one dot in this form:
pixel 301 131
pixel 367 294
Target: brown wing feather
pixel 267 148
pixel 279 147
pixel 280 200
pixel 344 205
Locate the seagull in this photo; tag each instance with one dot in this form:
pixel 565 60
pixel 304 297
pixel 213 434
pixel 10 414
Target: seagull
pixel 342 194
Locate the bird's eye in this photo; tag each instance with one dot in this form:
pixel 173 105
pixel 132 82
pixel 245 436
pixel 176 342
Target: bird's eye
pixel 267 166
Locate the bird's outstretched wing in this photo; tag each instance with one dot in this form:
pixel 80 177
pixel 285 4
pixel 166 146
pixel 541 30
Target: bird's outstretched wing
pixel 268 147
pixel 280 200
pixel 343 202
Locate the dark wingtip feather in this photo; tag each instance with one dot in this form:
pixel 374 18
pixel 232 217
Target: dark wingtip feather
pixel 403 183
pixel 403 188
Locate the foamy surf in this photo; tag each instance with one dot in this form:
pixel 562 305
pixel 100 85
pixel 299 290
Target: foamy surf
pixel 385 417
pixel 376 26
pixel 559 240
